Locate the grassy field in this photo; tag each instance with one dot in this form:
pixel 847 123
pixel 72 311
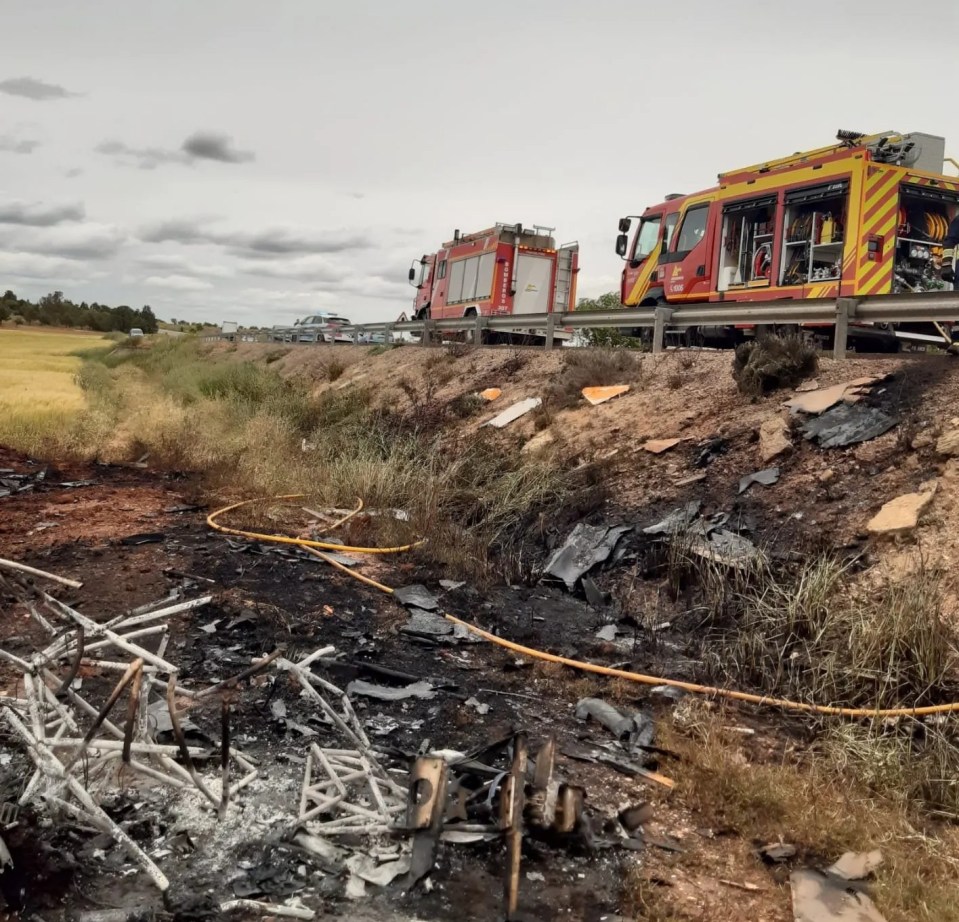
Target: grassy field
pixel 38 367
pixel 40 394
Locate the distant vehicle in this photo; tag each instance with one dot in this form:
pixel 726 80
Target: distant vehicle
pixel 135 332
pixel 317 328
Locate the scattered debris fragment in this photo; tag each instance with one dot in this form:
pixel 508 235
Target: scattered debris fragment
pixel 741 885
pixel 418 596
pixel 856 865
pixel 635 731
pixel 518 409
pixel 480 707
pixel 608 632
pixel 811 385
pixel 818 401
pixel 595 596
pixel 900 515
pixel 658 446
pixel 764 478
pixel 689 481
pixel 709 451
pixel 491 393
pixel 268 909
pixel 677 521
pixel 598 395
pixel 426 624
pixel 586 547
pixel 778 852
pixel 390 693
pixel 847 424
pixel 817 897
pixel 725 547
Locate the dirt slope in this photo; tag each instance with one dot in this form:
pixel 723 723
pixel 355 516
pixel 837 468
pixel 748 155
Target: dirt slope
pixel 823 495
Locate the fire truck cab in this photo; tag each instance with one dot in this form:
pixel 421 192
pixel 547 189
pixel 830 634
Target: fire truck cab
pixel 505 269
pixel 865 216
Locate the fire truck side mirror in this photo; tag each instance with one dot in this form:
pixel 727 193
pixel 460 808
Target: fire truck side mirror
pixel 622 242
pixel 625 224
pixel 412 275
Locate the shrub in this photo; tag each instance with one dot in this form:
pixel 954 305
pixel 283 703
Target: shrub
pixel 771 362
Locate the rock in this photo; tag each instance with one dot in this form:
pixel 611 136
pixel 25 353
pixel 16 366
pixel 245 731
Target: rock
pixel 900 514
pixel 948 444
pixel 827 476
pixel 539 441
pixel 773 439
pixel 923 440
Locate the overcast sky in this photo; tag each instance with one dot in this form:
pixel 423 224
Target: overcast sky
pixel 253 161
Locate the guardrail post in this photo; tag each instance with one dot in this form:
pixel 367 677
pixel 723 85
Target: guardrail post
pixel 659 328
pixel 388 338
pixel 427 337
pixel 845 309
pixel 356 336
pixel 479 324
pixel 550 330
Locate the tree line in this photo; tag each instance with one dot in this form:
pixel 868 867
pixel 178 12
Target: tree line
pixel 55 310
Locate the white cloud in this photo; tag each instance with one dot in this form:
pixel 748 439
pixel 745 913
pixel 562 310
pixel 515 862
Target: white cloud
pixel 31 265
pixel 76 241
pixel 177 283
pixel 184 266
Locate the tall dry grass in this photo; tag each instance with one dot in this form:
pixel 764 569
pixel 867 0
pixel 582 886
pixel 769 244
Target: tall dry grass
pixel 245 428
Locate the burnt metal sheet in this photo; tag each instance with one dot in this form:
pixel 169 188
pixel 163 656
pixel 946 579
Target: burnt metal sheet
pixel 677 521
pixel 764 478
pixel 847 424
pixel 586 546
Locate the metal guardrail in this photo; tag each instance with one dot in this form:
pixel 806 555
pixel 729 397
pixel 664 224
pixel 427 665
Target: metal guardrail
pixel 927 306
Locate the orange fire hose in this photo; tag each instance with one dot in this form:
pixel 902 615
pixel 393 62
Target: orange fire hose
pixel 692 688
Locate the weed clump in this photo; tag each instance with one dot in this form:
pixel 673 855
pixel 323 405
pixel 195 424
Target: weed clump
pixel 809 635
pixel 593 368
pixel 772 362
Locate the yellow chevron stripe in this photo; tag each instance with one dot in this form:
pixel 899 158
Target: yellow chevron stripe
pixel 642 280
pixel 876 190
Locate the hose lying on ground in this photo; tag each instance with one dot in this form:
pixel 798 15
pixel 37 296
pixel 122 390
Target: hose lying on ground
pixel 314 548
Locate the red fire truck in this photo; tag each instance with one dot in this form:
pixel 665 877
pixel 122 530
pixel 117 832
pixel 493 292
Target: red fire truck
pixel 864 216
pixel 507 269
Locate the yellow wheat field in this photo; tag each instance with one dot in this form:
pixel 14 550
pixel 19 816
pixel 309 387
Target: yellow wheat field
pixel 37 369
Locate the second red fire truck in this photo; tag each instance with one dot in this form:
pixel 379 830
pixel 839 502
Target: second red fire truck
pixel 507 269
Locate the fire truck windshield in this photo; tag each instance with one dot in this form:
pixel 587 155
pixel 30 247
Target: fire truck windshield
pixel 646 238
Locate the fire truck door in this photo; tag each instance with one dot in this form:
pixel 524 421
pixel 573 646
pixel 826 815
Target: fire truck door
pixel 534 275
